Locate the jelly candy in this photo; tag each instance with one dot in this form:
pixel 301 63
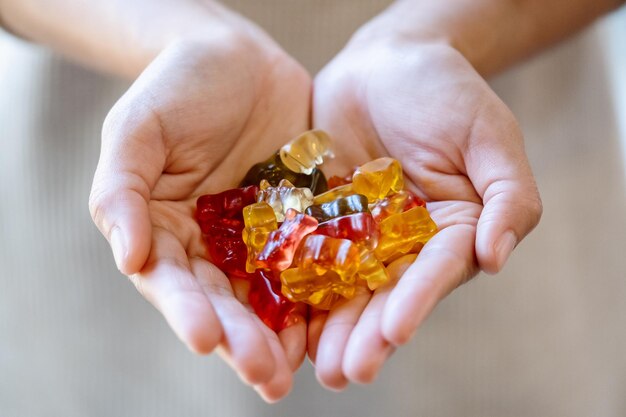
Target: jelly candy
pixel 372 270
pixel 325 265
pixel 401 201
pixel 284 197
pixel 305 152
pixel 228 253
pixel 335 193
pixel 259 220
pixel 281 244
pixel 340 207
pixel 221 213
pixel 336 181
pixel 330 242
pixel 265 298
pixel 378 178
pixel 221 221
pixel 360 228
pixel 273 170
pixel 399 233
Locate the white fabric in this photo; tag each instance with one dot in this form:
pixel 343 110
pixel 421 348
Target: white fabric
pixel 544 338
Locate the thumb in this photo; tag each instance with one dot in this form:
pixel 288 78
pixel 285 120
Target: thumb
pixel 131 161
pixel 499 169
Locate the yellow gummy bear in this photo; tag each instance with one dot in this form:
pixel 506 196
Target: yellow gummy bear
pixel 372 270
pixel 378 178
pixel 335 193
pixel 325 265
pixel 260 221
pixel 402 233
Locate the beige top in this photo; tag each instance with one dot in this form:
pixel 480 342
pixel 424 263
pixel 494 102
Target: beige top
pixel 544 338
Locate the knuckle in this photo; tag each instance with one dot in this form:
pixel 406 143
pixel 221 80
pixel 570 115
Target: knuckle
pixel 97 209
pixel 537 211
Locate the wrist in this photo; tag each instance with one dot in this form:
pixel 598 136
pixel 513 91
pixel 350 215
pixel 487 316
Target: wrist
pixel 465 26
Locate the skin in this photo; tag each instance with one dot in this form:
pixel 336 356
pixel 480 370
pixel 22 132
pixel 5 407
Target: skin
pixel 214 94
pixel 192 95
pixel 408 86
pixel 462 152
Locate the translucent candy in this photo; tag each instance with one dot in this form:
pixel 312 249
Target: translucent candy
pixel 342 206
pixel 336 181
pixel 378 178
pixel 260 221
pixel 360 228
pixel 400 233
pixel 305 152
pixel 220 217
pixel 265 298
pixel 401 201
pixel 325 265
pixel 335 193
pixel 284 197
pixel 281 245
pixel 372 270
pixel 273 170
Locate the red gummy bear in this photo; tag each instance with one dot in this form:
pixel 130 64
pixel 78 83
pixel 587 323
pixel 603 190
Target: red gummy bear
pixel 336 181
pixel 281 245
pixel 360 228
pixel 220 217
pixel 272 307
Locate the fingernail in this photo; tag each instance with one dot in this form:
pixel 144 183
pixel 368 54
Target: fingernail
pixel 504 247
pixel 118 245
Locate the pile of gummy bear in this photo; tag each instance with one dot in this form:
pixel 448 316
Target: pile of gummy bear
pixel 295 240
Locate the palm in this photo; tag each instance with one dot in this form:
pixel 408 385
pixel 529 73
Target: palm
pixel 434 114
pixel 194 122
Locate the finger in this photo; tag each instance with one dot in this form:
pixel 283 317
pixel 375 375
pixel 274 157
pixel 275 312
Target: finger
pixel 444 263
pixel 500 172
pixel 314 331
pixel 131 160
pixel 332 343
pixel 244 346
pixel 367 350
pixel 169 285
pixel 294 338
pixel 280 384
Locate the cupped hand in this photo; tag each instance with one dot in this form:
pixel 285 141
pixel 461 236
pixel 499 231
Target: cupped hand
pixel 194 121
pixel 462 151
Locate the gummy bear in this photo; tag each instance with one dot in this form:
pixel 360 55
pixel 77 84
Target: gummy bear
pixel 222 213
pixel 372 270
pixel 265 298
pixel 221 221
pixel 305 152
pixel 281 245
pixel 359 228
pixel 336 181
pixel 259 220
pixel 342 206
pixel 284 197
pixel 273 170
pixel 401 201
pixel 401 232
pixel 331 195
pixel 325 265
pixel 377 178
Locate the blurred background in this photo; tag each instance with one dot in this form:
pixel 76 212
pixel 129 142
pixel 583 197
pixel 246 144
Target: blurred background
pixel 546 337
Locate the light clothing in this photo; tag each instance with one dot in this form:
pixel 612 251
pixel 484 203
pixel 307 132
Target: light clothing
pixel 546 337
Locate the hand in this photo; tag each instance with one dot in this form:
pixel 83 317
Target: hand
pixel 462 152
pixel 194 121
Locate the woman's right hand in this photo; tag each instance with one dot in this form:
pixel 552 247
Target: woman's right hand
pixel 195 120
